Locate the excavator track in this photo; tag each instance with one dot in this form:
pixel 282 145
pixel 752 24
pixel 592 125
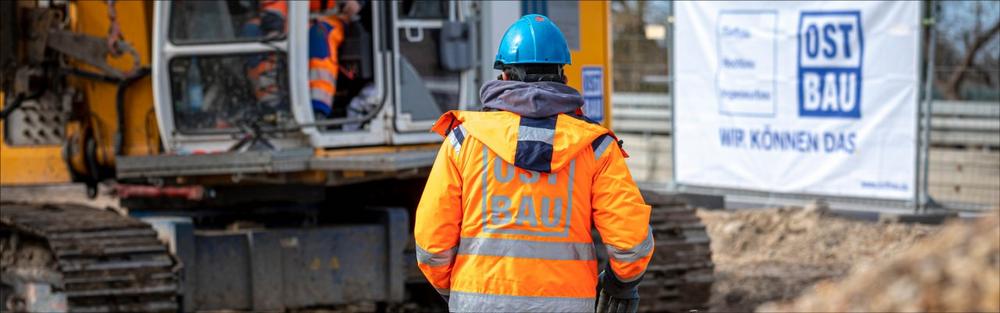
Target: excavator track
pixel 106 262
pixel 680 275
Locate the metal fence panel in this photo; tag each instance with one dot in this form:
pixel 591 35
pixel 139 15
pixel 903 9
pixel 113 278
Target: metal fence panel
pixel 964 156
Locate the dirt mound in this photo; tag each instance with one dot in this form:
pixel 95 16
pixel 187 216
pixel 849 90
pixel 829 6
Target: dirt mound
pixel 806 235
pixel 956 270
pixel 775 254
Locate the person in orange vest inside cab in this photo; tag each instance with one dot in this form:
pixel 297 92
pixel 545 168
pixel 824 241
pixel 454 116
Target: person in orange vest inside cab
pixel 504 222
pixel 263 69
pixel 326 33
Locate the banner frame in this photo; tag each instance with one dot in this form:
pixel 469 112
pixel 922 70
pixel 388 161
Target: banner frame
pixel 920 201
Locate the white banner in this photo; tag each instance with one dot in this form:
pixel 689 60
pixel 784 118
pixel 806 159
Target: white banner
pixel 798 97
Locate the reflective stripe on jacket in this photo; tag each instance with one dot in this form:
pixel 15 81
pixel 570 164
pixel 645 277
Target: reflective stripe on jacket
pixel 504 221
pixel 325 36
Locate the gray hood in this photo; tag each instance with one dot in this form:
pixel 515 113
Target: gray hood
pixel 535 100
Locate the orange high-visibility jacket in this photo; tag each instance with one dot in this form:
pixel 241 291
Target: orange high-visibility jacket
pixel 504 221
pixel 325 36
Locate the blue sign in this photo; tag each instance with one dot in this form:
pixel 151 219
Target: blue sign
pixel 593 93
pixel 830 51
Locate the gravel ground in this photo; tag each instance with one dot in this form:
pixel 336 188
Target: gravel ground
pixel 778 254
pixel 955 270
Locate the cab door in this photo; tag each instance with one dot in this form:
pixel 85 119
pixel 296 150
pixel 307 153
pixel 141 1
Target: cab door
pixel 211 62
pixel 433 58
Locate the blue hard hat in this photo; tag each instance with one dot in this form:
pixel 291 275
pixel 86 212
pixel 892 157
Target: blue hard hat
pixel 533 39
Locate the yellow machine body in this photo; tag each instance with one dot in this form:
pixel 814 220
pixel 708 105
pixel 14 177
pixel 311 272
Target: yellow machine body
pixel 45 164
pixel 52 164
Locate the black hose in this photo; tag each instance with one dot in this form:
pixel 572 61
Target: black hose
pixel 93 76
pixel 120 105
pixel 123 84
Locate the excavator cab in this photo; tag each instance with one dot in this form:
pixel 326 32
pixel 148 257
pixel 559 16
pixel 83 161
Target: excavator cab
pixel 226 78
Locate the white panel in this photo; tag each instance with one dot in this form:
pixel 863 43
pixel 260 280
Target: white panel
pixel 798 97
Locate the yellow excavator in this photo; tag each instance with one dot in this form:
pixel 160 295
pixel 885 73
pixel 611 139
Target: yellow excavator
pixel 234 204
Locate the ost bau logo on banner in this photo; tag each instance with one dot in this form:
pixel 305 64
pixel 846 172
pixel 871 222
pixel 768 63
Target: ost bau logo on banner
pixel 831 47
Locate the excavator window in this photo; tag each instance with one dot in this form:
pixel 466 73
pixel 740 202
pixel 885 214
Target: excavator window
pixel 216 93
pixel 429 79
pixel 196 22
pixel 212 93
pixel 423 9
pixel 442 84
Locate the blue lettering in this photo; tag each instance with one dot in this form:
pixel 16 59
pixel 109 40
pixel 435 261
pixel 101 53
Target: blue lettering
pixel 812 41
pixel 768 139
pixel 731 137
pixel 850 143
pixel 754 139
pixel 813 141
pixel 839 142
pixel 845 30
pixel 829 142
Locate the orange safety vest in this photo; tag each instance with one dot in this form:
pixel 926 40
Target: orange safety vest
pixel 504 221
pixel 263 73
pixel 323 63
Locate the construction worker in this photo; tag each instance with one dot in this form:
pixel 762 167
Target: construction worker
pixel 326 33
pixel 263 69
pixel 504 223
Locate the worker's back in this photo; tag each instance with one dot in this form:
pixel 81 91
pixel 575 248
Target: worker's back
pixel 505 220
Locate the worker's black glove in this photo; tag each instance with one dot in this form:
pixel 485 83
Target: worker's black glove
pixel 616 296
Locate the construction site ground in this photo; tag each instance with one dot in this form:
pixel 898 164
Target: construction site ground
pixel 770 255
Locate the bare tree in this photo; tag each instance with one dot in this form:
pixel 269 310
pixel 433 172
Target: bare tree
pixel 636 56
pixel 629 26
pixel 973 40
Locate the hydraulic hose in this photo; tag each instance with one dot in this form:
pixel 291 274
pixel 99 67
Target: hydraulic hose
pixel 123 85
pixel 120 105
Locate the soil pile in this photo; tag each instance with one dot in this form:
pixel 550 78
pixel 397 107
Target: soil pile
pixel 776 254
pixel 955 270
